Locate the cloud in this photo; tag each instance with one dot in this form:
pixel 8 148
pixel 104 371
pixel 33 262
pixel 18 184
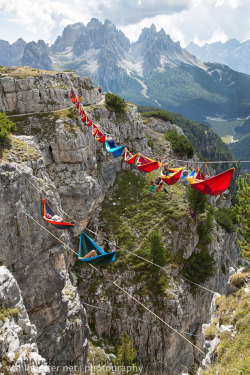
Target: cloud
pixel 127 12
pixel 184 20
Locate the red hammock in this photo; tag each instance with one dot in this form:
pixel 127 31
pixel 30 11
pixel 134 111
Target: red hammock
pixel 130 159
pixel 147 165
pixel 173 177
pixel 84 119
pixel 99 136
pixel 89 123
pixel 199 175
pixel 48 210
pixel 214 185
pixel 94 129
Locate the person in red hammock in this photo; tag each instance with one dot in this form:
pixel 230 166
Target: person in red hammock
pixel 99 89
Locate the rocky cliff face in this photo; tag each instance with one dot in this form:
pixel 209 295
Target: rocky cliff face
pixel 56 156
pixel 18 348
pixel 42 93
pixel 60 158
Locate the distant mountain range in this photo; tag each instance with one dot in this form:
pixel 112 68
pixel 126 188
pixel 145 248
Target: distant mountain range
pixel 153 71
pixel 232 53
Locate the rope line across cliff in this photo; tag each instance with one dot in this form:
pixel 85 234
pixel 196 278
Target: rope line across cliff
pixel 119 287
pixel 131 318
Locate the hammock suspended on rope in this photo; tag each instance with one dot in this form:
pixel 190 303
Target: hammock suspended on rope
pixel 214 185
pixel 48 210
pixel 94 129
pixel 115 150
pixel 89 123
pixel 172 178
pixel 99 136
pixel 147 165
pixel 199 175
pixel 86 244
pixel 130 159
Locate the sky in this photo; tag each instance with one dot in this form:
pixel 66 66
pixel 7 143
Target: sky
pixel 200 21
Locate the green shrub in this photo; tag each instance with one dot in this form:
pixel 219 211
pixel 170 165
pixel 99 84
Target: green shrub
pixel 210 333
pixel 150 141
pixel 6 127
pixel 238 279
pixel 157 248
pixel 197 201
pixel 226 218
pixel 205 228
pixel 199 267
pixel 117 103
pixel 126 353
pixel 163 115
pixel 223 268
pixel 179 143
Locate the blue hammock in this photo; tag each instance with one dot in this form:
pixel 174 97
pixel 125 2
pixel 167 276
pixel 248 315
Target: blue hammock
pixel 86 244
pixel 116 151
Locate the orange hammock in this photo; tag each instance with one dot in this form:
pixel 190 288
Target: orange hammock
pixel 130 159
pixel 94 129
pixel 147 165
pixel 99 136
pixel 73 100
pixel 173 177
pixel 214 185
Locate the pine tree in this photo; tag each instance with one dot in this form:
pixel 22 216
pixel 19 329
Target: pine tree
pixel 197 201
pixel 126 353
pixel 157 249
pixel 242 210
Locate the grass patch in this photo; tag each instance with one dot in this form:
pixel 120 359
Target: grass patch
pixel 233 353
pixel 21 72
pixel 8 313
pixel 21 150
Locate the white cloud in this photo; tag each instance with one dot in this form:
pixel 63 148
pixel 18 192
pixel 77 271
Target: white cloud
pixel 184 20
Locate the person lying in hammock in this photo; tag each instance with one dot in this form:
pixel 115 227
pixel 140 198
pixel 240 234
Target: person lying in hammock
pixel 91 254
pixel 54 218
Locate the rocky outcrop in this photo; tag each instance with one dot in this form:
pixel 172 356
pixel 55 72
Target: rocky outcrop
pixel 39 264
pixel 57 157
pixel 46 92
pixel 18 348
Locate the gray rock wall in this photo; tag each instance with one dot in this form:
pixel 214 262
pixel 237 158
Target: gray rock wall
pixel 47 92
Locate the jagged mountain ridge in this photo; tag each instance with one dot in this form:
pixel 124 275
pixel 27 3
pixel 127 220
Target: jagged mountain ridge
pixel 232 53
pixel 155 71
pixel 152 71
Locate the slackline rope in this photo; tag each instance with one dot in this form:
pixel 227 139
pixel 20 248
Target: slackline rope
pixel 189 161
pixel 142 320
pixel 154 264
pixel 134 254
pixel 119 287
